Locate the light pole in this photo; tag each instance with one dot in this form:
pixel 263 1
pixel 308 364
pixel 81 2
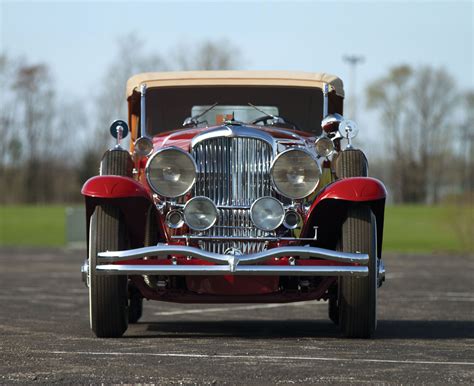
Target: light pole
pixel 353 61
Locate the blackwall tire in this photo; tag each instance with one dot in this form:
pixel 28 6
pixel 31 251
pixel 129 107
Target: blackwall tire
pixel 108 295
pixel 358 295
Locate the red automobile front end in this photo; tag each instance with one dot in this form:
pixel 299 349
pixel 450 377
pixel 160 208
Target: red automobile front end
pixel 242 211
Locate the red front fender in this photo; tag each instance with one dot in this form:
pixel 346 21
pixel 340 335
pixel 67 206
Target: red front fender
pixel 353 189
pixel 128 195
pixel 328 210
pixel 114 187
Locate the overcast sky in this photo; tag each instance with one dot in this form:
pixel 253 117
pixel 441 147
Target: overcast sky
pixel 78 39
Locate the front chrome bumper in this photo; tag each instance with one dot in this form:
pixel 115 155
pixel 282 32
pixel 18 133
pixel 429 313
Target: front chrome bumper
pixel 231 264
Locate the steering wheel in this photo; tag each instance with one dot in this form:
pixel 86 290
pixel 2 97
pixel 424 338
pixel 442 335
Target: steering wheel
pixel 274 121
pixel 264 119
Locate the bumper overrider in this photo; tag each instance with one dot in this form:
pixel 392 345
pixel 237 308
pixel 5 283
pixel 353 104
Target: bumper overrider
pixel 122 262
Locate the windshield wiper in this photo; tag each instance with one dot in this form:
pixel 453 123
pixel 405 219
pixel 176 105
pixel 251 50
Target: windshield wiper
pixel 276 120
pixel 194 120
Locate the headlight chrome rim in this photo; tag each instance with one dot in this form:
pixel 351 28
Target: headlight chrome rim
pixel 148 170
pixel 169 215
pixel 252 207
pixel 191 202
pixel 272 173
pixel 288 213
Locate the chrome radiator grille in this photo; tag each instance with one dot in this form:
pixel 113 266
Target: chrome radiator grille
pixel 233 172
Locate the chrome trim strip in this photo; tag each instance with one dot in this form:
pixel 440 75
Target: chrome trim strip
pixel 233 260
pixel 325 100
pixel 272 270
pixel 240 238
pixel 234 132
pixel 143 111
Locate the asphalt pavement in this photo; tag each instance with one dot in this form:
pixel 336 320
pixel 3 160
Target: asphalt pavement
pixel 425 332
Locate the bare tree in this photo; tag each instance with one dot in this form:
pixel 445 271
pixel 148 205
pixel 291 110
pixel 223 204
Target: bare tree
pixel 34 110
pixel 417 109
pixel 389 94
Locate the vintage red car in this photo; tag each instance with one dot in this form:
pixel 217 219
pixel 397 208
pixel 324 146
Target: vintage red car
pixel 238 187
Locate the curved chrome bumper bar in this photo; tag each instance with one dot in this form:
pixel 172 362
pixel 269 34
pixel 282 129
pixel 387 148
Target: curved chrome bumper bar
pixel 232 264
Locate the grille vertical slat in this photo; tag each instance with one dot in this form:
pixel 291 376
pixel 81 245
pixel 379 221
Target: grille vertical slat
pixel 233 171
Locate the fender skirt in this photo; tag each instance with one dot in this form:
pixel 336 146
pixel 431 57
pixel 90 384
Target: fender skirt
pixel 328 210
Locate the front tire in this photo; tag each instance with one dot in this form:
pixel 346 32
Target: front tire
pixel 358 295
pixel 108 295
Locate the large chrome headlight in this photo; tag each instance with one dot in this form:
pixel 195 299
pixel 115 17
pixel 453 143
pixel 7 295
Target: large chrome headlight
pixel 295 173
pixel 171 172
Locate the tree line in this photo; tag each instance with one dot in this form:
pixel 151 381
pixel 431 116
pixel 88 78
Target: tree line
pixel 51 144
pixel 427 134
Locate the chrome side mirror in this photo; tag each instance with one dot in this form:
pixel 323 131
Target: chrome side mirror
pixel 119 130
pixel 348 129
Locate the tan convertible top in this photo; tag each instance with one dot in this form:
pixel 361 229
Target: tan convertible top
pixel 234 78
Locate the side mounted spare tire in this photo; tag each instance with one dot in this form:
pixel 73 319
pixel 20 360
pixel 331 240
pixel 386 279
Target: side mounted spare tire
pixel 108 295
pixel 351 163
pixel 358 295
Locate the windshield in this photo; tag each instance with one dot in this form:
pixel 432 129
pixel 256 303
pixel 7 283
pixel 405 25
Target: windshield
pixel 168 107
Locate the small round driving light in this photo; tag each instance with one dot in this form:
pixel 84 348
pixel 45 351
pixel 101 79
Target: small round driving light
pixel 143 146
pixel 267 213
pixel 174 219
pixel 200 213
pixel 171 172
pixel 324 146
pixel 295 173
pixel 292 219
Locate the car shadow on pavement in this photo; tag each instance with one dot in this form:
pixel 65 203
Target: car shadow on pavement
pixel 277 329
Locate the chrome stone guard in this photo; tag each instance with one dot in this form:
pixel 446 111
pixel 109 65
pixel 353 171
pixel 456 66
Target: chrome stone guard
pixel 232 264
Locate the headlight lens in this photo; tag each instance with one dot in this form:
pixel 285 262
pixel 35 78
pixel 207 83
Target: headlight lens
pixel 200 213
pixel 267 213
pixel 171 172
pixel 324 146
pixel 295 173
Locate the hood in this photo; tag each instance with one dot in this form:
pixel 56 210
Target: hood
pixel 185 138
